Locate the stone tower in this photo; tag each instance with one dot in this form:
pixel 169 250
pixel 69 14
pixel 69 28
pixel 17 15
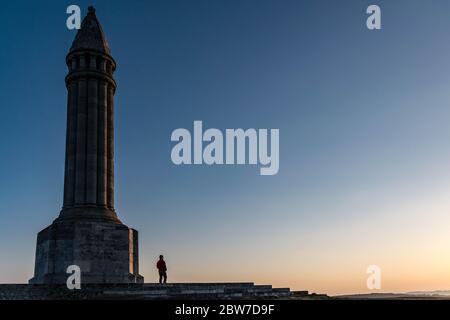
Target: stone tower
pixel 87 232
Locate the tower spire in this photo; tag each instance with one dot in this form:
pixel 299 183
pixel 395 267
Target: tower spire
pixel 90 36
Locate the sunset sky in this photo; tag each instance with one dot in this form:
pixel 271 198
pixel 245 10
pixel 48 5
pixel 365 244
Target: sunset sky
pixel 364 120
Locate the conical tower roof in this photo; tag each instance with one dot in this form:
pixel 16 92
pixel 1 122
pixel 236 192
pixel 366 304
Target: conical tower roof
pixel 90 36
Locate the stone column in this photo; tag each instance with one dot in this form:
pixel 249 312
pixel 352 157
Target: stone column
pixel 92 141
pixel 80 175
pixel 110 151
pixel 69 176
pixel 102 163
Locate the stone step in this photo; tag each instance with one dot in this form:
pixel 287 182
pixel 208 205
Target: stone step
pixel 282 292
pixel 196 284
pixel 187 291
pixel 145 291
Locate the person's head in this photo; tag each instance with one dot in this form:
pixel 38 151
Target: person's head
pixel 161 257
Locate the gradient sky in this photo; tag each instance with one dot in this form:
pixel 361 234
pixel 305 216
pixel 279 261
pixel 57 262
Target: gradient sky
pixel 364 138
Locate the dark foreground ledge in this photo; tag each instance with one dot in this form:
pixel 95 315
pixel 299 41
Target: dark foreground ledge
pixel 149 291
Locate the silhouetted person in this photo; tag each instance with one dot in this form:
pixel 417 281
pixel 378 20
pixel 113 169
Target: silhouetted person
pixel 162 269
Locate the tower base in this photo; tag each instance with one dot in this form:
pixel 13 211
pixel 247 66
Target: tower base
pixel 105 252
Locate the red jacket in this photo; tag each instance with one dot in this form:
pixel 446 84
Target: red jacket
pixel 161 265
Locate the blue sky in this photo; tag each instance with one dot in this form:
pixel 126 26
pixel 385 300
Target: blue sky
pixel 364 137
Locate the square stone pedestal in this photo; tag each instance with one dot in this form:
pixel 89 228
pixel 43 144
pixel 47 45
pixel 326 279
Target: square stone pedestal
pixel 106 252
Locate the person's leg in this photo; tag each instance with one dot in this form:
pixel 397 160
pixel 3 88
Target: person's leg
pixel 160 277
pixel 165 277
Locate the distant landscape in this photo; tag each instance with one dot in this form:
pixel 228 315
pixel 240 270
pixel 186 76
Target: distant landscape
pixel 420 295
